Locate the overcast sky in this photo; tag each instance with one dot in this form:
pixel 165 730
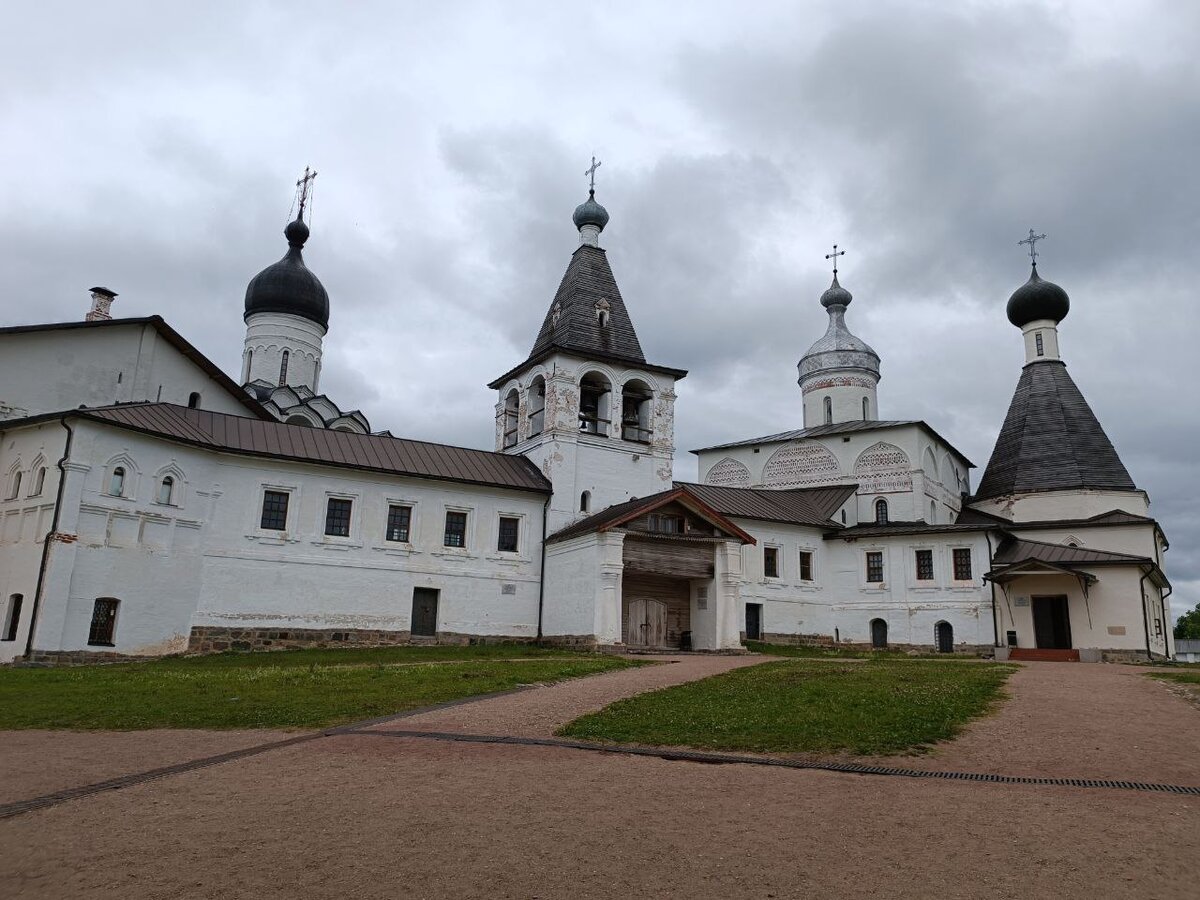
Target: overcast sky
pixel 155 152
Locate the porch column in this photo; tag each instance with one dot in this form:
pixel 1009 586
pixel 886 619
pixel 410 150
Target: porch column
pixel 611 547
pixel 727 599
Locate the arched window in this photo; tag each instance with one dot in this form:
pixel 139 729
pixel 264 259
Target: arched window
pixel 166 490
pixel 828 410
pixel 881 512
pixel 636 406
pixel 39 482
pixel 116 482
pixel 16 485
pixel 866 408
pixel 879 637
pixel 536 398
pixel 298 420
pixel 283 363
pixel 932 512
pixel 194 400
pixel 595 393
pixel 249 363
pixel 585 501
pixel 512 417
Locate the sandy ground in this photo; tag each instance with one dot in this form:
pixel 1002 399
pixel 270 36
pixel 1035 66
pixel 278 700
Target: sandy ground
pixel 380 816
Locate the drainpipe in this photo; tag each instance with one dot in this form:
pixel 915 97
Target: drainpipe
pixel 1162 601
pixel 542 573
pixel 995 625
pixel 1145 615
pixel 37 593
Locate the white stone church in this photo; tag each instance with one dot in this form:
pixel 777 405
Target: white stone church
pixel 150 504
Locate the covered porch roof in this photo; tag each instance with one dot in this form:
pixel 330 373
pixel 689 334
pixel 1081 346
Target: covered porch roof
pixel 1016 557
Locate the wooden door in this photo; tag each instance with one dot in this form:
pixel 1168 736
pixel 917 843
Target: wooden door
pixel 754 621
pixel 424 612
pixel 878 633
pixel 1051 623
pixel 646 624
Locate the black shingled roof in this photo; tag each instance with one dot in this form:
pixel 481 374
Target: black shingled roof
pixel 1051 440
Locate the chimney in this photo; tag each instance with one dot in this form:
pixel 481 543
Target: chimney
pixel 102 299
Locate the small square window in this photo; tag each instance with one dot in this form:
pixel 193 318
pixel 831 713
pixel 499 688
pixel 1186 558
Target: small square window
pixel 771 562
pixel 875 566
pixel 509 529
pixel 104 622
pixel 962 564
pixel 274 510
pixel 806 565
pixel 456 529
pixel 924 565
pixel 399 521
pixel 337 517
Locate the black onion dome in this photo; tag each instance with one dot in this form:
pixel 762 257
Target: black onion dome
pixel 1037 299
pixel 288 286
pixel 589 212
pixel 836 294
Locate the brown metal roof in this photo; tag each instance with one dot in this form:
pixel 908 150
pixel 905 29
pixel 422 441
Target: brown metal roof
pixel 620 513
pixel 376 453
pixel 893 528
pixel 1016 550
pixel 801 506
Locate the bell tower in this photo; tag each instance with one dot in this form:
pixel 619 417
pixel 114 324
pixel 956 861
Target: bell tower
pixel 585 406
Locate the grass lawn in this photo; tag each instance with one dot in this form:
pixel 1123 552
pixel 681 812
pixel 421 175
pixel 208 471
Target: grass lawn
pixel 287 689
pixel 882 706
pixel 1189 679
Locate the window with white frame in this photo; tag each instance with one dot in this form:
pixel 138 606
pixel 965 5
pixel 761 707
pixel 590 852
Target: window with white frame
pixel 770 562
pixel 806 565
pixel 924 561
pixel 456 528
pixel 508 534
pixel 274 510
pixel 962 564
pixel 874 560
pixel 337 516
pixel 399 523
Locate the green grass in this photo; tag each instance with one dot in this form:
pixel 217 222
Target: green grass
pixel 292 689
pixel 800 652
pixel 1179 677
pixel 869 708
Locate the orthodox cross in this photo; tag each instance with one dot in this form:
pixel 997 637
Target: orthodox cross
pixel 302 188
pixel 1032 242
pixel 834 255
pixel 591 173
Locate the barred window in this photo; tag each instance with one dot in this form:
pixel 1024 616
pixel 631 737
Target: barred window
pixel 337 517
pixel 104 622
pixel 274 510
pixel 1041 349
pixel 806 565
pixel 456 529
pixel 875 566
pixel 924 565
pixel 962 564
pixel 398 521
pixel 509 528
pixel 881 512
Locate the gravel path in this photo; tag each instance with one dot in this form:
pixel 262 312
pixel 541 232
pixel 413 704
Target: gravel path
pixel 538 712
pixel 1080 720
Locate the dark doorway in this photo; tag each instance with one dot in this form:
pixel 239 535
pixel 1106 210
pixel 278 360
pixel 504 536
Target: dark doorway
pixel 1051 623
pixel 945 637
pixel 424 612
pixel 878 634
pixel 754 621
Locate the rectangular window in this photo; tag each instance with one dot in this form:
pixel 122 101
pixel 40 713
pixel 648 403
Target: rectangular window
pixel 806 565
pixel 1041 350
pixel 771 562
pixel 666 524
pixel 398 522
pixel 962 564
pixel 12 618
pixel 509 527
pixel 875 566
pixel 337 517
pixel 275 510
pixel 924 565
pixel 104 622
pixel 456 529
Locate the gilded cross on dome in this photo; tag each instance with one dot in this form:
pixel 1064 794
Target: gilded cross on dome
pixel 1032 242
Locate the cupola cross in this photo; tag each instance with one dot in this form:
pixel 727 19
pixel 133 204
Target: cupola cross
pixel 591 173
pixel 1032 242
pixel 303 186
pixel 834 255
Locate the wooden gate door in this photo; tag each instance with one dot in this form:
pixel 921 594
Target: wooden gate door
pixel 424 613
pixel 646 625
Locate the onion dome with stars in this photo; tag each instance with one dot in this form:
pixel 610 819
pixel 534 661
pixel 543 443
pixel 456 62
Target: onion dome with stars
pixel 288 286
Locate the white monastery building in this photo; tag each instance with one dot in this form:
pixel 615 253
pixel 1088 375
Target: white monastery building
pixel 149 504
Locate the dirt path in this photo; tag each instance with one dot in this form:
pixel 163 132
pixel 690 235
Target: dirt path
pixel 1082 721
pixel 537 713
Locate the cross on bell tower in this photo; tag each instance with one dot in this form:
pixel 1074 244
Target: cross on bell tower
pixel 1032 242
pixel 834 256
pixel 303 190
pixel 590 172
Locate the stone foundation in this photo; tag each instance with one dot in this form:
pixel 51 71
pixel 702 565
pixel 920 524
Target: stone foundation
pixel 211 639
pixel 826 642
pixel 77 658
